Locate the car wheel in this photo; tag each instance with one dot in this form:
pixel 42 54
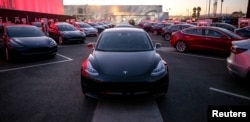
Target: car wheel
pixel 248 76
pixel 60 40
pixel 8 57
pixel 82 41
pixel 181 46
pixel 155 32
pixel 167 37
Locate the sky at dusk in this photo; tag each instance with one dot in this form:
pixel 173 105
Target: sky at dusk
pixel 175 7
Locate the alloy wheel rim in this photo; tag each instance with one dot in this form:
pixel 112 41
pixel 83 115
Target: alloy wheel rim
pixel 155 32
pixel 60 40
pixel 181 46
pixel 167 37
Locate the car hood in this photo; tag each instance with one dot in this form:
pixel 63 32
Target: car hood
pixel 32 41
pixel 89 29
pixel 72 33
pixel 124 63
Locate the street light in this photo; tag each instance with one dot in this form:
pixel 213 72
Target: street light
pixel 209 8
pixel 221 7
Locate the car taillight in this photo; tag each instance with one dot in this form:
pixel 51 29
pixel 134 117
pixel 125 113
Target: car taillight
pixel 237 50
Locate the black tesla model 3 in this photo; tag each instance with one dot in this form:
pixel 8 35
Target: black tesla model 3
pixel 124 62
pixel 27 40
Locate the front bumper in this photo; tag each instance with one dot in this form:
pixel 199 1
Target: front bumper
pixel 99 89
pixel 33 52
pixel 236 70
pixel 73 39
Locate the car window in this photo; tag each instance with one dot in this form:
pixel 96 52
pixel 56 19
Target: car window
pixel 212 33
pixel 193 31
pixel 66 27
pixel 37 24
pixel 124 41
pixel 175 27
pixel 24 31
pixel 83 25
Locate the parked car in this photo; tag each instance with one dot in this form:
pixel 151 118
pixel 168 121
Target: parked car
pixel 37 24
pixel 141 24
pixel 26 40
pixel 109 71
pixel 64 32
pixel 148 25
pixel 121 25
pixel 243 32
pixel 238 63
pixel 224 25
pixel 167 31
pixel 86 28
pixel 157 29
pixel 204 38
pixel 98 27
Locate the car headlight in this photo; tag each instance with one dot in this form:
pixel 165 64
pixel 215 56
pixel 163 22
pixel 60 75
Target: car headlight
pixel 83 34
pixel 15 44
pixel 63 34
pixel 90 70
pixel 160 68
pixel 52 43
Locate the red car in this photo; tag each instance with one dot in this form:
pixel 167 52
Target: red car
pixel 204 38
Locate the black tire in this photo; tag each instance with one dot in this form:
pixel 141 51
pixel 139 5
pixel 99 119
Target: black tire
pixel 83 41
pixel 181 46
pixel 167 37
pixel 248 77
pixel 8 56
pixel 155 32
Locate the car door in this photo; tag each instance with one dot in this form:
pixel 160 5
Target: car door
pixel 194 39
pixel 214 40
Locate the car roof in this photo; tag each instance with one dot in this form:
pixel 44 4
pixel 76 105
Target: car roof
pixel 62 23
pixel 18 25
pixel 125 29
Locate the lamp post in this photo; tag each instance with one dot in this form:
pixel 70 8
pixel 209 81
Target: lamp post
pixel 209 8
pixel 221 7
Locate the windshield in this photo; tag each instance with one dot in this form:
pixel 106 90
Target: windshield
pixel 37 24
pixel 124 42
pixel 24 31
pixel 83 25
pixel 66 27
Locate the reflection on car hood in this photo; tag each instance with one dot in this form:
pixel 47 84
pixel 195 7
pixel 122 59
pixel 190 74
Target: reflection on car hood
pixel 32 41
pixel 72 33
pixel 124 63
pixel 89 29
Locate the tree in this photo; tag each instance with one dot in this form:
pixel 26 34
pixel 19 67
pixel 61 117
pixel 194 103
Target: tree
pixel 238 14
pixel 194 12
pixel 198 13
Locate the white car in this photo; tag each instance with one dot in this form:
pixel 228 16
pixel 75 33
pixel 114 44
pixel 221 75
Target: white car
pixel 238 63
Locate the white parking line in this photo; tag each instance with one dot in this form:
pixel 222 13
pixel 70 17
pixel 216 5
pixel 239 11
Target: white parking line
pixel 229 93
pixel 168 50
pixel 64 57
pixel 12 69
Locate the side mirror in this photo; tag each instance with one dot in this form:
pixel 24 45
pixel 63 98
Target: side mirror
pixel 91 45
pixel 157 45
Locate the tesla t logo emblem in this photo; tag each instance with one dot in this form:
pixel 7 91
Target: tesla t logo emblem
pixel 125 72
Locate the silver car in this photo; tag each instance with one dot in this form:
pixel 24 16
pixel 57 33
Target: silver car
pixel 238 63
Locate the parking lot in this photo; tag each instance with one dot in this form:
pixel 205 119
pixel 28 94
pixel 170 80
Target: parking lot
pixel 50 90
